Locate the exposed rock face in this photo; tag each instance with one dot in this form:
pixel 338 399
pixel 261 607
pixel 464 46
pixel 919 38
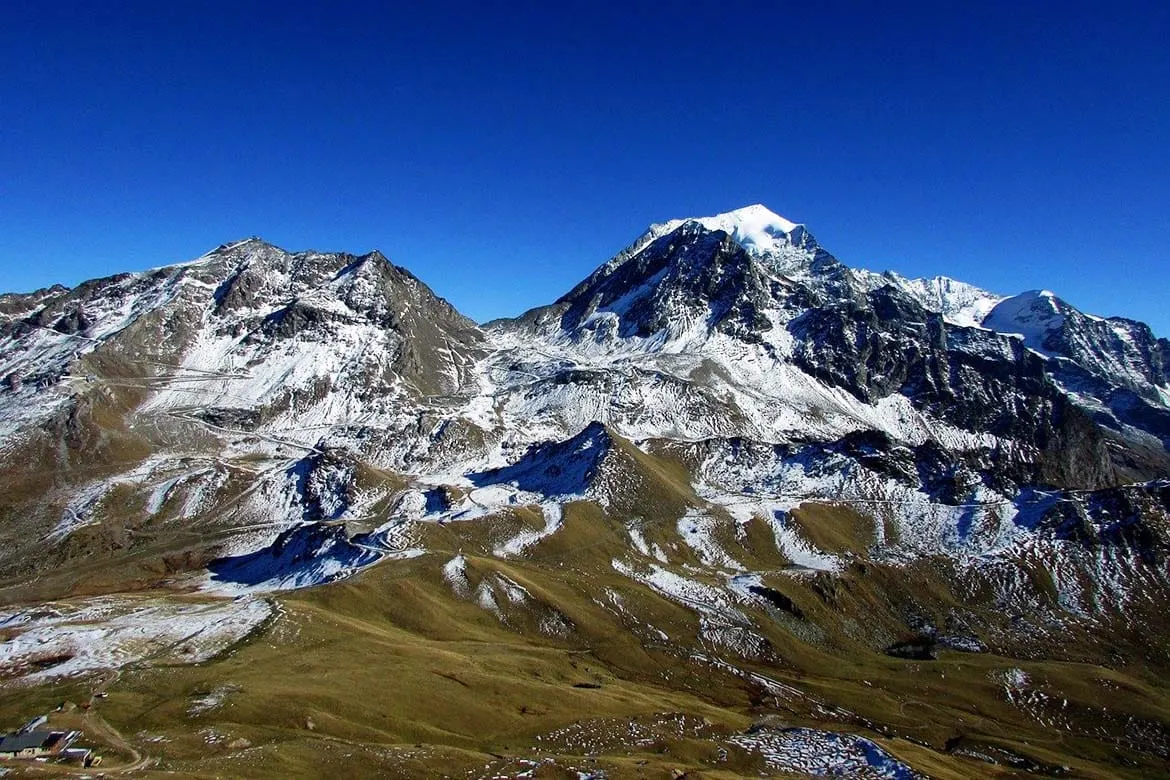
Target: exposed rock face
pixel 252 332
pixel 686 278
pixel 695 290
pixel 1113 368
pixel 741 324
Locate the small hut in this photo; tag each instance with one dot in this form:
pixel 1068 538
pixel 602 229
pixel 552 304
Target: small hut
pixel 32 744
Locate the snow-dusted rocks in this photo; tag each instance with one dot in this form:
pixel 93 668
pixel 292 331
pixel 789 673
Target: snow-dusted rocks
pixel 823 753
pixel 66 639
pixel 1114 369
pixel 248 334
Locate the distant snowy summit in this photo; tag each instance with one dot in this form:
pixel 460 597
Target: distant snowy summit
pixel 756 228
pixel 788 248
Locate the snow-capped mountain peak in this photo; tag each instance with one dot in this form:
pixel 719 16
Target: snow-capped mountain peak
pixel 1115 367
pixel 1035 315
pixel 756 228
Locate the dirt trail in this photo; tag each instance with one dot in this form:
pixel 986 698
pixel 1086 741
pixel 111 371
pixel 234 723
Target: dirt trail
pixel 99 726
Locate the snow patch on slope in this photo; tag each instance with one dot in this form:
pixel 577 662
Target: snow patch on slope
pixel 514 547
pixel 1034 316
pixel 68 639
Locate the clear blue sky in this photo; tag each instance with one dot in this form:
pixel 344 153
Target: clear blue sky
pixel 503 150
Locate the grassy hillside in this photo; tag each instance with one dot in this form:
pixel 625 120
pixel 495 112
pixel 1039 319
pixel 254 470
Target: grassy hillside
pixel 400 672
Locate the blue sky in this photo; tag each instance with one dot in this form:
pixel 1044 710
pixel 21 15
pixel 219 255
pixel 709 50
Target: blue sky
pixel 503 150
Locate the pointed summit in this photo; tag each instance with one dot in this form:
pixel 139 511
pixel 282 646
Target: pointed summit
pixel 756 228
pixel 1036 315
pixel 752 225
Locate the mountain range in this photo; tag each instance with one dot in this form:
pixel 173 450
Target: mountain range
pixel 823 505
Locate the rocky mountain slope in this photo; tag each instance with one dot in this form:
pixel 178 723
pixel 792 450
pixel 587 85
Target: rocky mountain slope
pixel 724 444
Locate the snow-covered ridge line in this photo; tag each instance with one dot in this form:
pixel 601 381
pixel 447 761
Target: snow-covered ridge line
pixel 788 248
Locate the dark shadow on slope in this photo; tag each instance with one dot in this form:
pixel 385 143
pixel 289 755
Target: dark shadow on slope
pixel 437 501
pixel 967 521
pixel 311 554
pixel 555 468
pixel 777 599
